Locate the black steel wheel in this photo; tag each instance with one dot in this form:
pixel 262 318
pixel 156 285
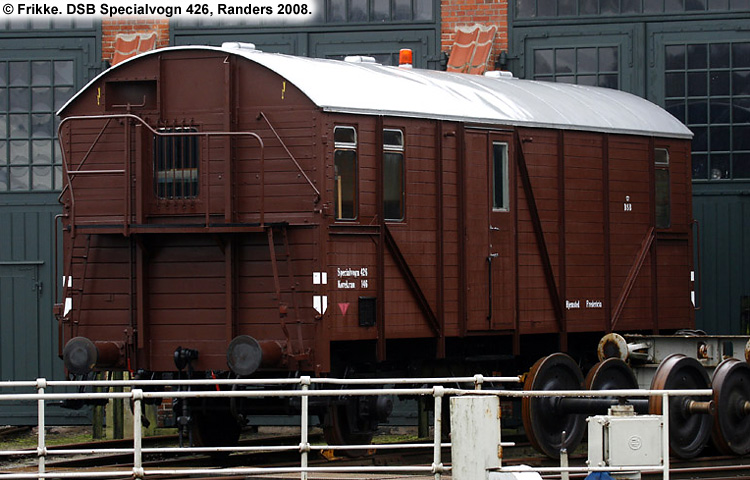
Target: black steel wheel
pixel 688 431
pixel 543 420
pixel 342 426
pixel 611 374
pixel 731 385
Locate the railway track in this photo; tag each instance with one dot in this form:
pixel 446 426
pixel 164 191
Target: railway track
pixel 709 467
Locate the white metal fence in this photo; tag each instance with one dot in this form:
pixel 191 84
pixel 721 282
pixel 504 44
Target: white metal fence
pixel 298 387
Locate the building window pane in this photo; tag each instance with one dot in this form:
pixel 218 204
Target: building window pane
pixel 543 61
pixel 584 66
pixel 393 175
pixel 566 7
pixel 336 11
pixel 741 165
pixel 609 7
pixel 176 163
pixel 674 84
pixel 423 10
pixel 381 10
pixel 565 60
pixel 674 57
pixel 19 178
pixel 720 166
pixel 500 187
pixel 718 4
pixel 700 166
pixel 719 55
pixel 19 74
pixel 526 8
pixel 357 10
pixel 546 8
pixel 64 72
pixel 42 178
pixel 587 58
pixel 345 173
pixel 402 9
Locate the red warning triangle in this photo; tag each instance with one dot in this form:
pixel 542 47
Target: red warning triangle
pixel 343 307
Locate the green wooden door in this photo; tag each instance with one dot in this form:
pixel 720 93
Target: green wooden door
pixel 39 71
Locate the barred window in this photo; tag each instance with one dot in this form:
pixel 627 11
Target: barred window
pixel 176 164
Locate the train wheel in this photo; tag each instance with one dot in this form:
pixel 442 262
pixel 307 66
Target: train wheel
pixel 689 430
pixel 731 385
pixel 342 426
pixel 542 420
pixel 611 374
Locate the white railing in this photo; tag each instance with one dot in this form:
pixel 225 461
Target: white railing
pixel 137 395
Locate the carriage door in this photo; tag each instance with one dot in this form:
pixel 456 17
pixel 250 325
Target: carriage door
pixel 489 221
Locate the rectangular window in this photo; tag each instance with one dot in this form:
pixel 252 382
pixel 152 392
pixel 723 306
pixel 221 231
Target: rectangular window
pixel 393 175
pixel 663 204
pixel 176 160
pixel 500 194
pixel 345 172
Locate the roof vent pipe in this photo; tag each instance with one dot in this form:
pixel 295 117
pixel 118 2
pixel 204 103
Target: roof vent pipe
pixel 405 58
pixel 238 45
pixel 499 74
pixel 359 59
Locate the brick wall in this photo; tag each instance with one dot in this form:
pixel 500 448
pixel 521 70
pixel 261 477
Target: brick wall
pixel 456 13
pixel 112 26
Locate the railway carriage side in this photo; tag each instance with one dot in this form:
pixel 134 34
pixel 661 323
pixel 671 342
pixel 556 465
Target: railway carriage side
pixel 502 238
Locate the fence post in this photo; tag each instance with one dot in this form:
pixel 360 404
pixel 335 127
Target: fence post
pixel 665 434
pixel 41 449
pixel 304 445
pixel 118 412
pixel 475 436
pixel 137 439
pixel 437 465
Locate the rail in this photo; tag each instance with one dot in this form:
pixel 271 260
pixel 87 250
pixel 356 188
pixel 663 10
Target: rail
pixel 326 388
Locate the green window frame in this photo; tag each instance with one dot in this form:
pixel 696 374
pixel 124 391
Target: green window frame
pixel 31 91
pixel 589 65
pixel 707 87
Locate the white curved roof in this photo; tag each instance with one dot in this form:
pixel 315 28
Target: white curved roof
pixel 370 88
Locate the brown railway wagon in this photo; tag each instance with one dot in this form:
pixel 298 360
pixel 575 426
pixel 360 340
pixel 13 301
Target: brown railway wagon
pixel 233 212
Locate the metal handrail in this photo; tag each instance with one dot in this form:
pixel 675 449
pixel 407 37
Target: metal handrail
pixel 437 468
pixel 68 172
